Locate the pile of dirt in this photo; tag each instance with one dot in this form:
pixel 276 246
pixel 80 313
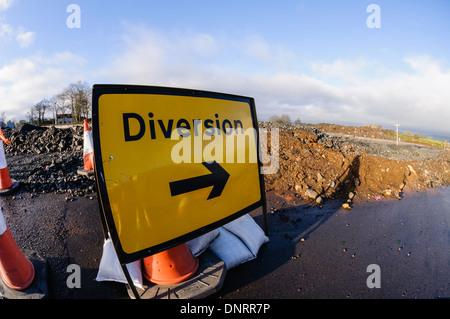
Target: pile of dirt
pixel 315 166
pixel 30 139
pixel 46 160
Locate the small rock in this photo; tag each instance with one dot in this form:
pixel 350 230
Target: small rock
pixel 320 178
pixel 311 194
pixel 319 200
pixel 346 206
pixel 351 195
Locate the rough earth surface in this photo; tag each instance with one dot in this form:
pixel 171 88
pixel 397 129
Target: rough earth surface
pixel 314 165
pixel 45 160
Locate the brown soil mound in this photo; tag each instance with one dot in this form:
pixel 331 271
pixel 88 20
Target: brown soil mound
pixel 315 166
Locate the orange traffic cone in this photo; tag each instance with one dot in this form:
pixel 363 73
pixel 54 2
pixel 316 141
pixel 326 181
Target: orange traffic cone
pixel 170 266
pixel 16 271
pixel 7 185
pixel 88 152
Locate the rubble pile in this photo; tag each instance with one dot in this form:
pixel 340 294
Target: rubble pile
pixel 313 165
pixel 45 160
pixel 29 139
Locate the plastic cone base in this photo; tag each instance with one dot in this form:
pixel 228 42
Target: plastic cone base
pixel 170 266
pixel 8 191
pixel 207 280
pixel 38 288
pixel 84 172
pixel 16 271
pixel 25 284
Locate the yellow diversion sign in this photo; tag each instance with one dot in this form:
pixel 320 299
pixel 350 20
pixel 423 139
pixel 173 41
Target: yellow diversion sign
pixel 172 164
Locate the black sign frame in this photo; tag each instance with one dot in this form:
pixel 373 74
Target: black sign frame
pixel 107 220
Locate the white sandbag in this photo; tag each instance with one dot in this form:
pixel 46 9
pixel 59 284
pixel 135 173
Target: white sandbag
pixel 200 244
pixel 248 232
pixel 110 269
pixel 230 249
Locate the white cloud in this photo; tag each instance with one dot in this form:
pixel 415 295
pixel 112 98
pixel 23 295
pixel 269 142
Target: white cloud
pixel 417 98
pixel 26 81
pixel 256 47
pixel 24 38
pixel 342 69
pixel 340 91
pixel 7 32
pixel 5 4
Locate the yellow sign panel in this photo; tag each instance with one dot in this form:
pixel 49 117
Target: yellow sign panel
pixel 173 163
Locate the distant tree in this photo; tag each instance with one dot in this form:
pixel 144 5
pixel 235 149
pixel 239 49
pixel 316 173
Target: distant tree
pixel 57 106
pixel 273 118
pixel 408 133
pixel 31 116
pixel 78 97
pixel 298 121
pixel 284 118
pixel 40 108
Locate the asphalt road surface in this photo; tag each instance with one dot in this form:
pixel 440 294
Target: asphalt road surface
pixel 312 253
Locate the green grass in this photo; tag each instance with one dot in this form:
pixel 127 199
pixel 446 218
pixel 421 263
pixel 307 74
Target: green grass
pixel 426 141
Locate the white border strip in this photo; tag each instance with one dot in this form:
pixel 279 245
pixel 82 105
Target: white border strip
pixel 2 156
pixel 3 227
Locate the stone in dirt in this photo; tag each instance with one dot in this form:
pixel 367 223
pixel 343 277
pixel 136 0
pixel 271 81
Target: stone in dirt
pixel 311 194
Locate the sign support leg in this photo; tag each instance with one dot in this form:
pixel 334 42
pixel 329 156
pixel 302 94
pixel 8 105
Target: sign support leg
pixel 130 281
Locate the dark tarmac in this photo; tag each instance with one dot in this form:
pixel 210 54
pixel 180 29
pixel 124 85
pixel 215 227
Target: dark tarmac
pixel 312 253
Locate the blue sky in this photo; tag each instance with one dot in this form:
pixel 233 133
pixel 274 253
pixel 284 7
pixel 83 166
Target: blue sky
pixel 314 60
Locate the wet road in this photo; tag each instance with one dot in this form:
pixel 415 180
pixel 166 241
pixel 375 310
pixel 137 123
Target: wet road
pixel 313 252
pixel 408 239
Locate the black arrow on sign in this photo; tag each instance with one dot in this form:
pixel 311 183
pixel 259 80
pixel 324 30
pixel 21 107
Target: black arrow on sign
pixel 218 178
